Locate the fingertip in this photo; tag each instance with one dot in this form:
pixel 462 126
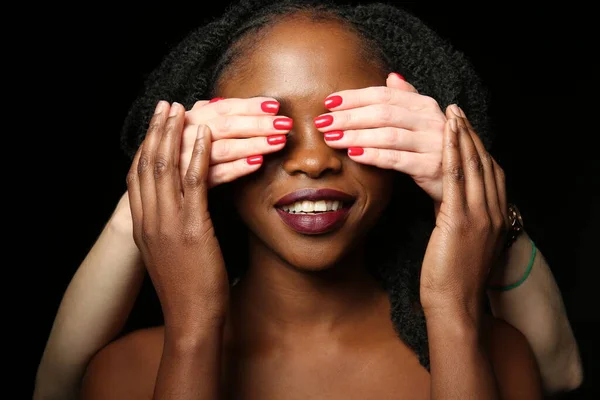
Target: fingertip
pixel 203 132
pixel 395 75
pixel 255 160
pixel 333 101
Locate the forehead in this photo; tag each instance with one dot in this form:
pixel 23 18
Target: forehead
pixel 303 55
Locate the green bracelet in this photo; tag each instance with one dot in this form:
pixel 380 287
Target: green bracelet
pixel 525 275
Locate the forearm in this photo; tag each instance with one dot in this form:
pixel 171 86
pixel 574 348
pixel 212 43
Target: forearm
pixel 537 310
pixel 93 311
pixel 190 366
pixel 459 364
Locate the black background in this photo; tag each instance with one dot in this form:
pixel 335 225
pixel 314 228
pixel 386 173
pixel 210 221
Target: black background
pixel 536 63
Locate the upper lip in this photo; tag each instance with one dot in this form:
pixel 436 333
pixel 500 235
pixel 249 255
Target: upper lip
pixel 314 195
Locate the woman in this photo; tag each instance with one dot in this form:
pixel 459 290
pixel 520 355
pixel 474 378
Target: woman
pixel 315 277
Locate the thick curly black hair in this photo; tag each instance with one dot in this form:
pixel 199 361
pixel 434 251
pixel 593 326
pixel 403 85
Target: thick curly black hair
pixel 399 42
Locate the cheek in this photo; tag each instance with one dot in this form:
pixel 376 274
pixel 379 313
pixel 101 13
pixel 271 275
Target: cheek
pixel 378 183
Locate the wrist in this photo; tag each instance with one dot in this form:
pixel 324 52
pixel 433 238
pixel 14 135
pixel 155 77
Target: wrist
pixel 513 263
pixel 193 336
pixel 455 321
pixel 463 312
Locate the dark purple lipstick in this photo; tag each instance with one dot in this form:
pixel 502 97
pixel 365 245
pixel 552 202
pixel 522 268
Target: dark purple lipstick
pixel 317 222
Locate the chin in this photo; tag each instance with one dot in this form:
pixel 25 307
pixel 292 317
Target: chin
pixel 316 253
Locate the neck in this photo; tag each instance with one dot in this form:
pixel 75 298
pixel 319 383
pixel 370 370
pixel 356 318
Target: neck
pixel 278 297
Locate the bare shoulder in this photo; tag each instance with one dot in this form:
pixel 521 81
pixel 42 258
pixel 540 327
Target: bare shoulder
pixel 126 368
pixel 513 361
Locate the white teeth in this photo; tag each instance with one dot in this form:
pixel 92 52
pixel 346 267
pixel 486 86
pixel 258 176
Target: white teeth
pixel 306 206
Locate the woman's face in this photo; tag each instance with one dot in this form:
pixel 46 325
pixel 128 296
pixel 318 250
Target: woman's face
pixel 300 62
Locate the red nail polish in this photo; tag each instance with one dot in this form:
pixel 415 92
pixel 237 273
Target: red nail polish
pixel 399 76
pixel 333 101
pixel 334 135
pixel 254 160
pixel 355 151
pixel 283 124
pixel 276 139
pixel 216 99
pixel 269 106
pixel 323 121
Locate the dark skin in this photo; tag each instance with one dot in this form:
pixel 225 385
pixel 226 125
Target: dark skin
pixel 308 321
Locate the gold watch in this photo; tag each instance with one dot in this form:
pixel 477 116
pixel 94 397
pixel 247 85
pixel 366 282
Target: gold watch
pixel 515 228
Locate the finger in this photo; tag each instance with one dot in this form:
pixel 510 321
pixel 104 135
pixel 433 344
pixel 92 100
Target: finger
pixel 166 164
pixel 197 105
pixel 226 150
pixel 453 180
pixel 473 168
pixel 489 177
pixel 501 190
pixel 391 138
pixel 353 98
pixel 195 186
pixel 410 163
pixel 135 198
pixel 397 81
pixel 377 116
pixel 204 111
pixel 238 126
pixel 230 171
pixel 145 168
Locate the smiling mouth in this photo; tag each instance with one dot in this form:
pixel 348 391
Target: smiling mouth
pixel 313 212
pixel 308 207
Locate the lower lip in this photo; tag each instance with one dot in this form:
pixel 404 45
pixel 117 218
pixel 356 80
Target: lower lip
pixel 314 224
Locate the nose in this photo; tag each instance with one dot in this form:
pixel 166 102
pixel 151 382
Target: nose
pixel 308 154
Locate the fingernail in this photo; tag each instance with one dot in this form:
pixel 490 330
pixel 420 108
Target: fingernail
pixel 174 109
pixel 276 139
pixel 333 101
pixel 333 135
pixel 462 113
pixel 283 124
pixel 270 106
pixel 323 121
pixel 455 110
pixel 254 160
pixel 160 107
pixel 398 75
pixel 355 151
pixel 216 99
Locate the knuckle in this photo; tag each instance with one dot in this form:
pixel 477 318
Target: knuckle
pixel 474 164
pixel 262 124
pixel 131 178
pixel 389 136
pixel 192 179
pixel 222 107
pixel 383 94
pixel 199 233
pixel 383 113
pixel 455 172
pixel 161 166
pixel 221 149
pixel 153 126
pixel 221 124
pixel 436 125
pixel 430 102
pixel 147 234
pixel 486 159
pixel 143 163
